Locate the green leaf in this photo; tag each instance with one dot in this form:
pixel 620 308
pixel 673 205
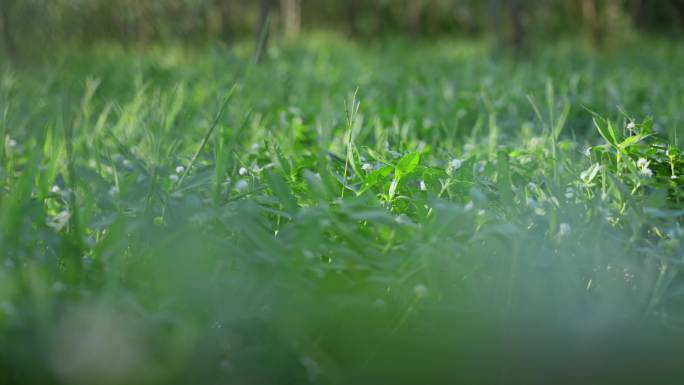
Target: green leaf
pixel 407 164
pixel 282 191
pixel 589 174
pixel 374 177
pixel 607 132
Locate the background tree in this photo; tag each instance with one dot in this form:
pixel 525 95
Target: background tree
pixel 593 12
pixel 7 33
pixel 516 9
pixel 292 17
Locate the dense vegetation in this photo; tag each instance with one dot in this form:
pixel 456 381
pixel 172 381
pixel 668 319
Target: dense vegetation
pixel 343 213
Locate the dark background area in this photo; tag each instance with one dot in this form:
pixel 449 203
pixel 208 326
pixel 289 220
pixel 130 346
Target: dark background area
pixel 29 24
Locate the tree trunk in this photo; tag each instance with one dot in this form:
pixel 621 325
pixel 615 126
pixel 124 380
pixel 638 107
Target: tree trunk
pixel 677 9
pixel 517 9
pixel 263 28
pixel 351 13
pixel 495 24
pixel 7 36
pixel 592 13
pixel 414 12
pixel 292 17
pixel 635 8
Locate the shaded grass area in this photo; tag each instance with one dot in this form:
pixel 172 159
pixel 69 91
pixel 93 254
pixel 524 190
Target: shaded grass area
pixel 395 213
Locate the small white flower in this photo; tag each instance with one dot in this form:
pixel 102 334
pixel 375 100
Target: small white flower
pixel 673 177
pixel 587 151
pixel 114 191
pixel 11 143
pixel 420 290
pixel 535 142
pixel 631 126
pixel 569 193
pixel 367 167
pixel 55 189
pixel 180 170
pixel 456 164
pixel 423 187
pixel 642 164
pixel 174 178
pixel 241 186
pixel 243 171
pixel 564 229
pixel 646 172
pixel 531 202
pixel 255 146
pixel 469 206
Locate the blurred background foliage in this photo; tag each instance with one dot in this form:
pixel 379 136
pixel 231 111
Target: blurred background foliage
pixel 512 21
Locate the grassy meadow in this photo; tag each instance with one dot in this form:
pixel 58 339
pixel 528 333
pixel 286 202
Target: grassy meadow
pixel 343 213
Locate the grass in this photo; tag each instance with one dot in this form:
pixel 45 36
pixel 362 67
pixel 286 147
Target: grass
pixel 342 213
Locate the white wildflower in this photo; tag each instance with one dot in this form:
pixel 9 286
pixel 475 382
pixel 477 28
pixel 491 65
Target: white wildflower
pixel 643 164
pixel 174 178
pixel 243 171
pixel 631 126
pixel 569 193
pixel 647 172
pixel 367 167
pixel 55 189
pixel 535 142
pixel 469 206
pixel 11 143
pixel 420 290
pixel 456 164
pixel 564 229
pixel 423 187
pixel 180 170
pixel 241 186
